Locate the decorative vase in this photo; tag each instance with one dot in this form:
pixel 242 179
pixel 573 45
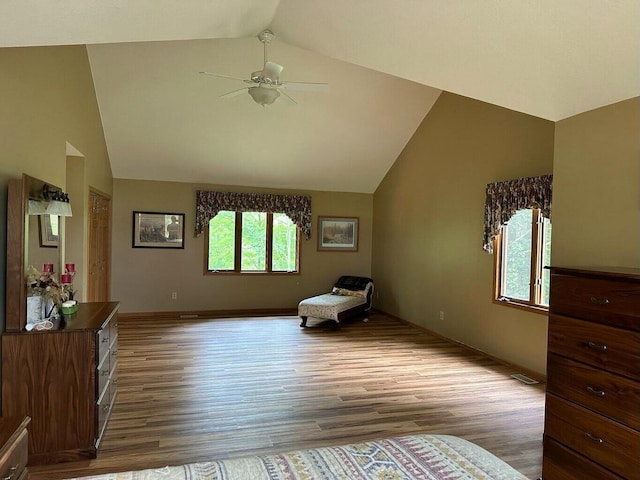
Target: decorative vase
pixel 34 309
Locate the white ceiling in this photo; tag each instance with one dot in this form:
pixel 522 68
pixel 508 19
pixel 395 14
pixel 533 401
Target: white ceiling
pixel 386 62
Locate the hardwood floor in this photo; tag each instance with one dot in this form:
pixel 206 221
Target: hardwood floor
pixel 197 390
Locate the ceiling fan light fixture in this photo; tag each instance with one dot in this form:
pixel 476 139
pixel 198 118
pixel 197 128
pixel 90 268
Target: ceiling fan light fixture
pixel 263 95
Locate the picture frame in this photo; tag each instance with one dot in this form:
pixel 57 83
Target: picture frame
pixel 338 234
pixel 48 230
pixel 158 230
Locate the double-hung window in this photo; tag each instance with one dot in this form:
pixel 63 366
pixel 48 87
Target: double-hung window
pixel 252 242
pixel 522 249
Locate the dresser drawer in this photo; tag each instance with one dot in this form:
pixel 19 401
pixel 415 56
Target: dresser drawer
pixel 615 302
pixel 604 441
pixel 103 373
pixel 560 463
pixel 103 410
pixel 14 461
pixel 113 351
pixel 608 394
pixel 113 379
pixel 113 328
pixel 602 346
pixel 103 339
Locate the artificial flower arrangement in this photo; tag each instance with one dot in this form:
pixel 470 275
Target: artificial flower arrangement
pixel 45 285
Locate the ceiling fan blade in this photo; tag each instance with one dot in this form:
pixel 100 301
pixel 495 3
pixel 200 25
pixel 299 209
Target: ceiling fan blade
pixel 234 93
pixel 306 86
pixel 289 97
pixel 271 72
pixel 225 76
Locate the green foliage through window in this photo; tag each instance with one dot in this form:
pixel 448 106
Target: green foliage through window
pixel 222 241
pixel 285 244
pixel 517 256
pixel 523 250
pixel 252 242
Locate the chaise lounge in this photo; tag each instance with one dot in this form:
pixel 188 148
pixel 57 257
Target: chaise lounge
pixel 351 296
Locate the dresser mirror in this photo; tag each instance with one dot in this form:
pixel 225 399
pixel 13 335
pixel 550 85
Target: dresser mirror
pixel 35 237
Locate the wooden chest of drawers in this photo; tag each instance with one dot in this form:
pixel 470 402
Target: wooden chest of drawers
pixel 13 448
pixel 65 380
pixel 592 415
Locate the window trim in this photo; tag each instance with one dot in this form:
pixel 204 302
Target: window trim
pixel 237 260
pixel 535 281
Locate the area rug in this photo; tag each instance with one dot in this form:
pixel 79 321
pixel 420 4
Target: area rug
pixel 411 457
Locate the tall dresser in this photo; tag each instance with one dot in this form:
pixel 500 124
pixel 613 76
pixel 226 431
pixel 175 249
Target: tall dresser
pixel 592 416
pixel 65 379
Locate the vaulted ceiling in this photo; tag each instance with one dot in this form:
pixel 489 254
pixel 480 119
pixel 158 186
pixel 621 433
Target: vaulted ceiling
pixel 386 62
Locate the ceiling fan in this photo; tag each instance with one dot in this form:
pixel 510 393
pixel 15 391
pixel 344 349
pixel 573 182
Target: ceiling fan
pixel 265 85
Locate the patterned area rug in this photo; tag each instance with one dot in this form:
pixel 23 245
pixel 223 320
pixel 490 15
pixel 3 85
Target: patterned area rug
pixel 412 457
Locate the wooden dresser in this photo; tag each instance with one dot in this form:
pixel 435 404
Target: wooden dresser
pixel 592 417
pixel 65 380
pixel 13 448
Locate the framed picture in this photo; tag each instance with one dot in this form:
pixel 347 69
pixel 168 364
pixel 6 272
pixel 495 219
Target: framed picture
pixel 48 230
pixel 338 234
pixel 158 230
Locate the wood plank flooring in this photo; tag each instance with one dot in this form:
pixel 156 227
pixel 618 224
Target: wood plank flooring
pixel 197 390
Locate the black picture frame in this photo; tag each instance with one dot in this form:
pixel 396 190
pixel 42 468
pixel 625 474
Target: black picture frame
pixel 158 230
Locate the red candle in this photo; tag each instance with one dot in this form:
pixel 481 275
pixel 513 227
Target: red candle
pixel 70 267
pixel 66 278
pixel 47 267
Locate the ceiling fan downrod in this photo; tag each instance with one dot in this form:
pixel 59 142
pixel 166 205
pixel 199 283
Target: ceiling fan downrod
pixel 265 37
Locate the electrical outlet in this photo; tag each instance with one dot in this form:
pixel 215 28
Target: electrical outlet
pixel 174 295
pixel 441 315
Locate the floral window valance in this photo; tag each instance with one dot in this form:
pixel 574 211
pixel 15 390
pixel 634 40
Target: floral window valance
pixel 506 198
pixel 296 207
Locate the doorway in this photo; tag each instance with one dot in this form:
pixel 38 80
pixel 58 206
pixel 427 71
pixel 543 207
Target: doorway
pixel 99 254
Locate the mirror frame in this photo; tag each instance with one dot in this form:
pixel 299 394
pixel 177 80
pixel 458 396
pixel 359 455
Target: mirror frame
pixel 20 190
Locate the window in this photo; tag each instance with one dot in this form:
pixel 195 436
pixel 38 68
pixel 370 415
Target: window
pixel 522 250
pixel 252 242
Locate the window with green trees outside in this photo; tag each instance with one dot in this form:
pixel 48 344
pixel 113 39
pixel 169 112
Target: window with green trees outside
pixel 252 242
pixel 522 250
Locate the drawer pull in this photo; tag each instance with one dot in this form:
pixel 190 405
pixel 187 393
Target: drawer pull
pixel 595 391
pixel 597 346
pixel 12 471
pixel 599 301
pixel 593 438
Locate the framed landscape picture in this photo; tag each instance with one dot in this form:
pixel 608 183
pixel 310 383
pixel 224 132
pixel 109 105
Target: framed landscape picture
pixel 158 230
pixel 338 234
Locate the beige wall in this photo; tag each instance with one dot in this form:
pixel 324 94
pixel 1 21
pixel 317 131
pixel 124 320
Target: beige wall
pixel 428 215
pixel 48 100
pixel 596 199
pixel 143 279
pixel 427 226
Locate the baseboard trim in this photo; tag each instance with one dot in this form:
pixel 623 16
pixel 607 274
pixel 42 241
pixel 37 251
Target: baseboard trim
pixel 529 373
pixel 204 314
